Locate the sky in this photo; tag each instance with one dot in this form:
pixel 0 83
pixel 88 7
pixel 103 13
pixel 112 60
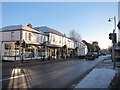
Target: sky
pixel 89 19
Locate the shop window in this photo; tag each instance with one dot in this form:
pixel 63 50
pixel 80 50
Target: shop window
pixel 7 46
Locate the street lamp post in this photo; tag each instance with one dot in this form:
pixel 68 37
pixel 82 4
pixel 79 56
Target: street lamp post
pixel 113 38
pixel 114 22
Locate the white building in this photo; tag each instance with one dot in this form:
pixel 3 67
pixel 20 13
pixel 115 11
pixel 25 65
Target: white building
pixel 20 42
pixel 57 42
pixel 12 34
pixel 83 49
pixel 54 43
pixel 80 49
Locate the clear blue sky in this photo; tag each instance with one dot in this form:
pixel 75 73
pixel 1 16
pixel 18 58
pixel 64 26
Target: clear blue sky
pixel 90 19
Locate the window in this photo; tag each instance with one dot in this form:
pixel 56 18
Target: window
pixel 60 41
pixel 29 36
pixel 7 46
pixel 65 41
pixel 25 35
pixel 37 38
pixel 41 38
pixel 12 35
pixel 53 39
pixel 45 38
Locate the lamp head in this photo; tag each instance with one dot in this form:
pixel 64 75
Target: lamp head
pixel 109 20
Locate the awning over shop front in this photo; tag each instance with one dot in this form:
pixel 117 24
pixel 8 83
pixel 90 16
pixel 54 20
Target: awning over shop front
pixel 34 44
pixel 54 46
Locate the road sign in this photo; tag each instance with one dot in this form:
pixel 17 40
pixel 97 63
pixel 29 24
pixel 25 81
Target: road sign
pixel 118 25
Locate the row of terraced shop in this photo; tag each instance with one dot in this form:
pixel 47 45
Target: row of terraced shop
pixel 23 42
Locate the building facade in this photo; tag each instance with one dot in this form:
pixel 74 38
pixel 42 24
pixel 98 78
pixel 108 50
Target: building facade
pixel 80 49
pixel 58 45
pixel 21 33
pixel 20 42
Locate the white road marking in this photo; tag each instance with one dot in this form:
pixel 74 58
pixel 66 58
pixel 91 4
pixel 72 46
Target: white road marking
pixel 12 78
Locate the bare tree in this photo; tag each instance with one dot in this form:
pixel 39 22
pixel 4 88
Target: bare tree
pixel 75 35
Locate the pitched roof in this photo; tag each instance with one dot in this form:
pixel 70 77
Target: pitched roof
pixel 46 29
pixel 19 27
pixel 73 39
pixel 13 27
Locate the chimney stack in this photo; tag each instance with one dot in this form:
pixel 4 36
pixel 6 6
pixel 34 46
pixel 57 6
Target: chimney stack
pixel 29 25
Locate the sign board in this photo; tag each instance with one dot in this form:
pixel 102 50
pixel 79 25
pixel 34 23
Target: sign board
pixel 118 25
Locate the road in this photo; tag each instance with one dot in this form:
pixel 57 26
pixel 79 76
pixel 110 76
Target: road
pixel 59 74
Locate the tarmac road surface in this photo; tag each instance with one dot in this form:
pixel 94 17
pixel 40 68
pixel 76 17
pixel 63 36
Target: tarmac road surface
pixel 60 74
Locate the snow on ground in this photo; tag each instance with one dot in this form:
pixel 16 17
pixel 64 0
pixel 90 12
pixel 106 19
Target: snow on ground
pixel 97 78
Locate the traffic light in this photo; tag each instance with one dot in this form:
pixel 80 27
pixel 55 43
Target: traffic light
pixel 110 36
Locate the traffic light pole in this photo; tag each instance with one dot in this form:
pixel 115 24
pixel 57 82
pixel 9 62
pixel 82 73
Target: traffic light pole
pixel 113 41
pixel 113 52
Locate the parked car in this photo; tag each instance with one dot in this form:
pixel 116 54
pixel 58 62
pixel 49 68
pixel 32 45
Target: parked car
pixel 90 56
pixel 104 53
pixel 99 53
pixel 95 54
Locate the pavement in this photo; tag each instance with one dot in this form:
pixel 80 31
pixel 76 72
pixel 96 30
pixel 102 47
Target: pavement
pixel 11 64
pixel 100 77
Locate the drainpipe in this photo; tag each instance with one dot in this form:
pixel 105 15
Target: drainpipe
pixel 1 50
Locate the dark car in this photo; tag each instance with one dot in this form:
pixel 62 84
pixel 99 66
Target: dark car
pixel 95 54
pixel 104 53
pixel 99 53
pixel 90 56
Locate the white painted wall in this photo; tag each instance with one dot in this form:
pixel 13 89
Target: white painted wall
pixel 25 36
pixel 42 38
pixel 60 40
pixel 69 43
pixel 64 41
pixel 6 36
pixel 82 49
pixel 55 39
pixel 35 37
